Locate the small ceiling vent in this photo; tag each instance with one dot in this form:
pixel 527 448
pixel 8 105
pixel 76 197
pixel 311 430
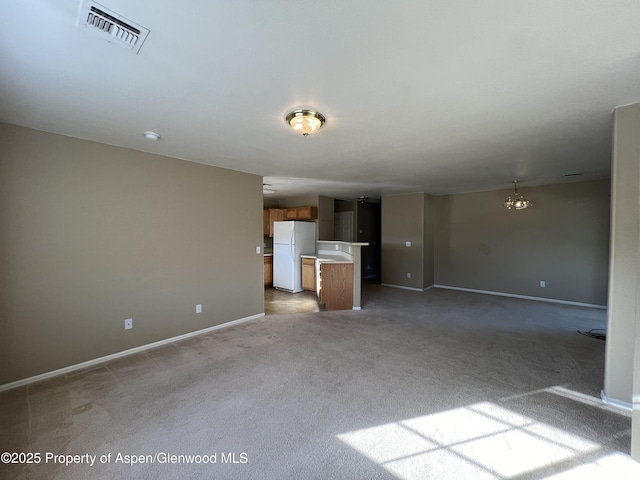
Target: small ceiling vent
pixel 114 28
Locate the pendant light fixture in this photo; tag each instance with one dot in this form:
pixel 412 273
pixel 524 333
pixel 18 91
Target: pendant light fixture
pixel 518 202
pixel 305 122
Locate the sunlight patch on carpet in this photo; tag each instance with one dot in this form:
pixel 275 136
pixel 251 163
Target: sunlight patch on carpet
pixel 480 441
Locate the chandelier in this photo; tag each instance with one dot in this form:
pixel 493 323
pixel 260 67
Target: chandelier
pixel 517 201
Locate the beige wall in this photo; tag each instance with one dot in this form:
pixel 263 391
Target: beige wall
pixel 402 220
pixel 325 223
pixel 92 234
pixel 563 240
pixel 623 321
pixel 299 201
pixel 269 202
pixel 428 242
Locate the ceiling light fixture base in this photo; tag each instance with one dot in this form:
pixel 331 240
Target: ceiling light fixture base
pixel 305 122
pixel 151 136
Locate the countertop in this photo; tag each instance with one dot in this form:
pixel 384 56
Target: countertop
pixel 328 258
pixel 333 242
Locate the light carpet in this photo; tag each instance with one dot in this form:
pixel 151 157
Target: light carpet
pixel 434 385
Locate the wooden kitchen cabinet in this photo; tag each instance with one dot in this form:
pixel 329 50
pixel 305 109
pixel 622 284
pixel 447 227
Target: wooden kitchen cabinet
pixel 296 213
pixel 306 213
pixel 309 274
pixel 268 270
pixel 301 213
pixel 265 221
pixel 336 285
pixel 275 215
pixel 290 214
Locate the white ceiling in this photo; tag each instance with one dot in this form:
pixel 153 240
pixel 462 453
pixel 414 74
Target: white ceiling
pixel 436 96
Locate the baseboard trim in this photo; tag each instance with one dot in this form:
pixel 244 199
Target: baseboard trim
pixel 402 287
pixel 357 308
pixel 524 297
pixel 124 353
pixel 615 403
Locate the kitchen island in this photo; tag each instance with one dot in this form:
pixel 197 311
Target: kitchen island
pixel 337 273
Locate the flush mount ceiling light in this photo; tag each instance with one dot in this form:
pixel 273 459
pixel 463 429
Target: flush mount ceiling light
pixel 518 201
pixel 151 136
pixel 305 122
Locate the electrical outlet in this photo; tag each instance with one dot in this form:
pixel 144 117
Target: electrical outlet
pixel 199 308
pixel 407 244
pixel 543 283
pixel 128 324
pixel 408 275
pixel 258 250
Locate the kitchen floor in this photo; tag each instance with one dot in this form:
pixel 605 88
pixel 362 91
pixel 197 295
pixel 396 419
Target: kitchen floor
pixel 277 302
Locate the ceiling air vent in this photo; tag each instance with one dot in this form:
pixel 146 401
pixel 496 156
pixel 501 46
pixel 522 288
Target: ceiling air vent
pixel 114 28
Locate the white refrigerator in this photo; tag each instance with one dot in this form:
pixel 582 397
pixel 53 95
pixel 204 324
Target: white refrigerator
pixel 290 240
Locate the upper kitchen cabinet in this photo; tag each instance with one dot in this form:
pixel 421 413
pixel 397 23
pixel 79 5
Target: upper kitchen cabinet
pixel 301 213
pixel 275 215
pixel 290 214
pixel 282 214
pixel 265 222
